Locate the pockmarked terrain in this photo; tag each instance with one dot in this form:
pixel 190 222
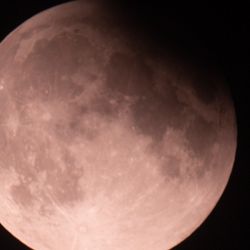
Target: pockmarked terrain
pixel 105 144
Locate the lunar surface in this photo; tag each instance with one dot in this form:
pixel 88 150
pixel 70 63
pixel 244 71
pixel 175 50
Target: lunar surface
pixel 105 144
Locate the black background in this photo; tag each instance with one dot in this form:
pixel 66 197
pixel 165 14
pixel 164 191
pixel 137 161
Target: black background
pixel 220 31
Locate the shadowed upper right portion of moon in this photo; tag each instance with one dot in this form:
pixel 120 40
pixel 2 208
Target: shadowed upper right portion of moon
pixel 156 104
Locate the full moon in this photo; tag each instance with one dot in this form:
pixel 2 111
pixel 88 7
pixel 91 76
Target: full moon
pixel 105 143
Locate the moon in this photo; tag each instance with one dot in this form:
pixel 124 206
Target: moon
pixel 104 142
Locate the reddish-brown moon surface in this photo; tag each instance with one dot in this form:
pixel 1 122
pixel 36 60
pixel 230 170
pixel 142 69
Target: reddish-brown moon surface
pixel 105 145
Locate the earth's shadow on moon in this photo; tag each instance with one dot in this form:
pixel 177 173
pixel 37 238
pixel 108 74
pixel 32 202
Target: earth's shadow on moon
pixel 147 111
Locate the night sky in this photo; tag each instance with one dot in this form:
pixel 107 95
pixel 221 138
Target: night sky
pixel 221 34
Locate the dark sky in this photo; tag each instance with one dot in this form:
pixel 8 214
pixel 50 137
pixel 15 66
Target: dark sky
pixel 221 32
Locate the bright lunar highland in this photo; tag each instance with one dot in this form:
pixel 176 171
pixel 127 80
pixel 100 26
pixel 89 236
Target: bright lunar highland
pixel 106 144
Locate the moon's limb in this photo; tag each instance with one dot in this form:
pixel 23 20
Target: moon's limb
pixel 100 139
